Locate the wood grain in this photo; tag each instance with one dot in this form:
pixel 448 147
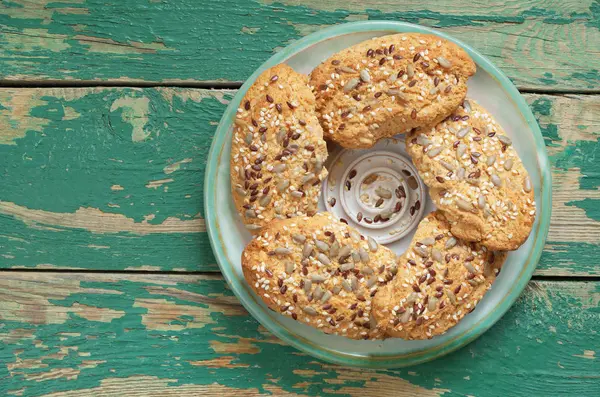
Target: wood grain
pixel 112 178
pixel 540 45
pixel 162 335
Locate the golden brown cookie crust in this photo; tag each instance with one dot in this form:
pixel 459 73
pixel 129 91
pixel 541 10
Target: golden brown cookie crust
pixel 277 150
pixel 327 284
pixel 389 85
pixel 476 178
pixel 440 279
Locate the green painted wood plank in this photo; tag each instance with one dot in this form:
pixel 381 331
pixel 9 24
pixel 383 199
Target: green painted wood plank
pixel 156 335
pixel 111 179
pixel 539 44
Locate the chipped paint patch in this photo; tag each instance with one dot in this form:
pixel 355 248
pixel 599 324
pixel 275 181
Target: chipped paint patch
pixel 164 315
pixel 103 45
pixel 135 112
pixel 169 169
pixel 97 221
pixel 241 346
pixel 158 183
pixel 588 354
pixel 93 313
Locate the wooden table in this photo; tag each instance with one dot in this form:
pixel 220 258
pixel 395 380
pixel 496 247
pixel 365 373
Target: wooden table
pixel 108 285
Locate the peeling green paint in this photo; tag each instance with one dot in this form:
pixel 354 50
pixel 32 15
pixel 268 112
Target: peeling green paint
pixel 590 206
pixel 530 340
pixel 90 40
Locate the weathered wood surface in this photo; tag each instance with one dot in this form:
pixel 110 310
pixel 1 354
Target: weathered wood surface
pixel 540 45
pixel 157 335
pixel 112 178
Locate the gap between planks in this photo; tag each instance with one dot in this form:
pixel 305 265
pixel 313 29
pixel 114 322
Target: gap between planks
pixel 557 278
pixel 216 85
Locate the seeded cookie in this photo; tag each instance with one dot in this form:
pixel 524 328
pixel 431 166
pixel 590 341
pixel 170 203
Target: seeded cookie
pixel 321 272
pixel 277 150
pixel 445 279
pixel 476 178
pixel 389 85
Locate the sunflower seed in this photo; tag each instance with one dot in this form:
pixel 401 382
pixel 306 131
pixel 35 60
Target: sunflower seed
pixel 309 310
pixel 240 123
pixel 346 286
pixel 297 194
pixel 383 193
pixel 467 106
pixel 336 289
pixel 351 84
pixel 317 278
pixel 322 246
pixel 481 201
pixel 282 251
pixel 250 214
pixel 410 71
pixel 427 241
pixel 463 132
pixel 299 238
pixel 289 267
pixel 367 270
pixel 412 298
pixel 508 164
pixel 308 178
pixel 347 69
pixel 451 296
pixel 446 64
pixel 434 151
pixel 307 250
pixel 355 257
pixel 421 251
pixel 326 296
pixel 527 184
pixel 450 243
pixel 324 259
pixel 385 215
pixel 372 244
pixel 391 80
pixel 393 92
pixel 405 317
pixel 281 135
pixel 240 191
pixel 432 304
pixel 307 285
pixel 264 201
pixel 347 266
pixel 461 150
pixel 364 255
pixel 279 168
pixel 252 227
pixel 469 267
pixel 488 269
pixel 464 205
pixel 496 180
pixel 460 174
pixel 318 164
pixel 447 165
pixel 283 185
pixel 490 161
pixel 334 249
pixel 345 251
pixel 365 76
pixel 248 138
pixel 371 282
pixel 354 283
pixel 504 139
pixel 423 140
pixel 436 254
